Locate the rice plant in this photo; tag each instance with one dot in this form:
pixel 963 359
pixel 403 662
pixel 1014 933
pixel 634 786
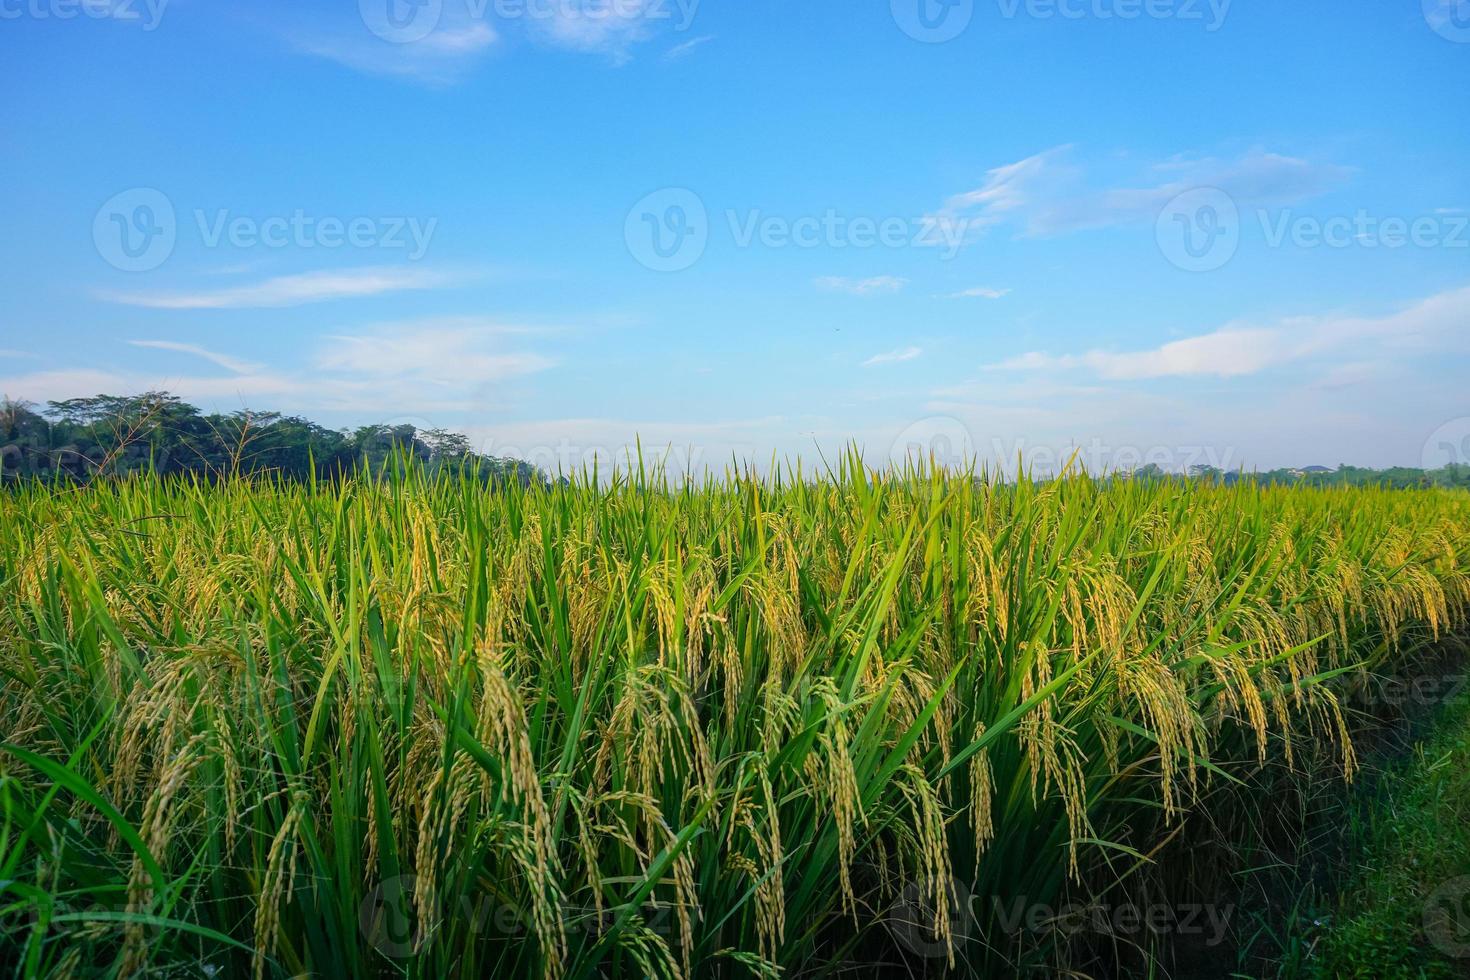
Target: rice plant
pixel 404 725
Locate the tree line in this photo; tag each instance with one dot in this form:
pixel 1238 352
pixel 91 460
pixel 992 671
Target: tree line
pixel 79 439
pixel 1396 477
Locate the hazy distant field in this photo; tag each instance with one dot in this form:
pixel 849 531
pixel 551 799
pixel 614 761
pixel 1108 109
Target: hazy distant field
pixel 420 727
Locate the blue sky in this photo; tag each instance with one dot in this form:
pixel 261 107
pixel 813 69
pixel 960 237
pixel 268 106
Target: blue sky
pixel 1175 230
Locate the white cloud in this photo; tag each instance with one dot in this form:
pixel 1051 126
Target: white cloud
pixel 1237 350
pixel 437 366
pixel 1256 179
pixel 1045 194
pixel 295 290
pixel 894 356
pixel 979 292
pixel 597 27
pixel 223 360
pixel 567 445
pixel 682 50
pixel 861 287
pixel 1353 374
pixel 443 43
pixel 1224 353
pixel 1007 191
pixel 440 44
pixel 41 386
pixel 444 57
pixel 438 355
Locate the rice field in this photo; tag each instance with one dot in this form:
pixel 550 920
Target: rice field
pixel 794 725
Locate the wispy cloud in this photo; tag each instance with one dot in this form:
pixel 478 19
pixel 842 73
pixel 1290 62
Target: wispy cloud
pixel 223 360
pixel 612 30
pixel 1236 349
pixel 440 44
pixel 442 58
pixel 683 50
pixel 684 446
pixel 894 356
pixel 979 292
pixel 423 368
pixel 1007 191
pixel 443 356
pixel 861 287
pixel 1047 194
pixel 1224 353
pixel 59 385
pixel 296 290
pixel 1352 374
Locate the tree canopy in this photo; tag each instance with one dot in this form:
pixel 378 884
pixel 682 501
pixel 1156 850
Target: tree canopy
pixel 82 438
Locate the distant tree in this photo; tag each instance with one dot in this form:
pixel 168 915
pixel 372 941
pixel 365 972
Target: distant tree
pixel 80 439
pixel 444 445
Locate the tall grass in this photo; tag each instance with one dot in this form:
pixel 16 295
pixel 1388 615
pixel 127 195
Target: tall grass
pixel 409 726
